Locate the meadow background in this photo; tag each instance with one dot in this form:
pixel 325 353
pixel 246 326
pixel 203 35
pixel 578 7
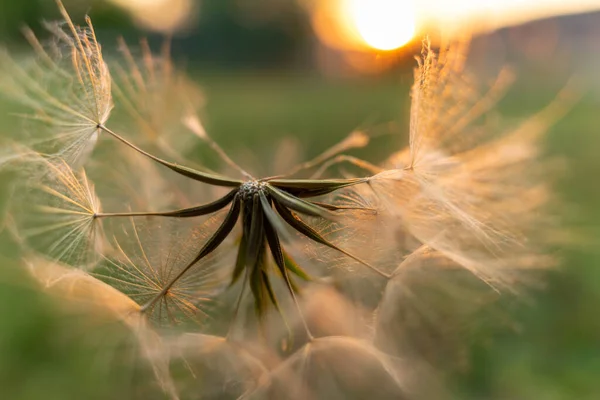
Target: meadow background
pixel 262 84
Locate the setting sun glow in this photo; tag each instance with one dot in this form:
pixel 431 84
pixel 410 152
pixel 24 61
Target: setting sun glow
pixel 384 24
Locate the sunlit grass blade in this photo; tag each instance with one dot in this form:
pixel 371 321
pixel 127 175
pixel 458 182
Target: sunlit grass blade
pixel 276 227
pixel 272 217
pixel 180 169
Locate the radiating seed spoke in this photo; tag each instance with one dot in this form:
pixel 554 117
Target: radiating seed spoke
pixel 309 232
pixel 215 240
pixel 191 173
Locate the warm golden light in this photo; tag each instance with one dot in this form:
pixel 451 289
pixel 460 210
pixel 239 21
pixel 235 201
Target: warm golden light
pixel 384 24
pixel 363 25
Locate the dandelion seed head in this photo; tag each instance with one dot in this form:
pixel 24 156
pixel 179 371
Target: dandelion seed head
pixel 155 100
pixel 252 188
pixel 282 286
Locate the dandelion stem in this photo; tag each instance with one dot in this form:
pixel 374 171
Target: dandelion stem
pixel 354 140
pixel 237 305
pixel 193 123
pixel 211 179
pixel 277 253
pixel 344 158
pixel 183 213
pixel 309 232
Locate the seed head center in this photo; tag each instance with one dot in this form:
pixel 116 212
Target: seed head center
pixel 251 188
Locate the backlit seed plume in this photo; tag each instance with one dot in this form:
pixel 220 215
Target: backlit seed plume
pixel 213 366
pixel 55 214
pixel 159 252
pixel 476 193
pixel 153 97
pixel 335 367
pixel 66 90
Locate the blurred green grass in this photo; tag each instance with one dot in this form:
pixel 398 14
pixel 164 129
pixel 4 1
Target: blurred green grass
pixel 555 355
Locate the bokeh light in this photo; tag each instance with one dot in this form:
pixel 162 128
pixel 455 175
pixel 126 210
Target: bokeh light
pixel 384 24
pixel 368 25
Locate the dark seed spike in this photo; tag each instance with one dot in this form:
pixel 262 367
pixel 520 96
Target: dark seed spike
pixel 291 265
pixel 191 173
pixel 312 234
pixel 279 228
pixel 314 184
pixel 278 256
pixel 273 218
pixel 255 232
pixel 240 262
pixel 296 204
pixel 311 188
pixel 266 281
pixel 276 250
pixel 215 240
pixel 303 194
pixel 238 303
pixel 257 283
pixel 332 207
pixel 195 211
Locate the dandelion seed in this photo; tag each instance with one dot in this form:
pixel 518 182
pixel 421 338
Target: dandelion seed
pixel 153 98
pixel 455 188
pixel 431 309
pixel 214 367
pixel 67 90
pixel 335 368
pixel 161 251
pixel 56 215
